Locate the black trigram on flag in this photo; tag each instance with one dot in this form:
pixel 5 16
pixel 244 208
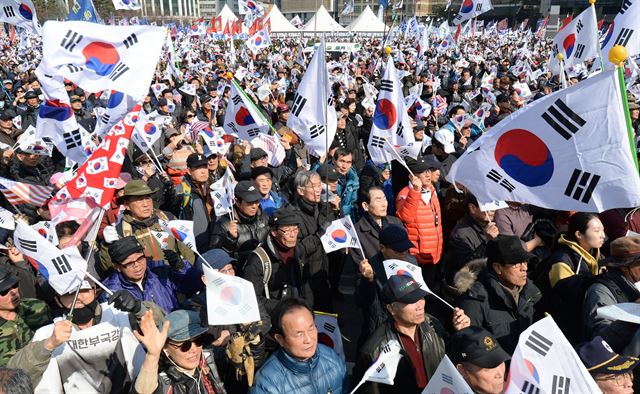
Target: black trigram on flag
pixel 316 130
pixel 105 118
pixel 581 185
pixel 70 40
pixel 529 388
pixel 393 266
pixel 579 51
pixel 129 41
pixel 233 127
pixel 72 139
pixel 117 72
pixel 623 37
pixel 31 246
pixel 236 99
pixel 579 26
pixel 500 180
pixel 253 132
pixel 329 327
pixel 73 68
pixel 400 129
pixel 298 104
pixel 560 385
pixel 61 264
pixel 538 343
pixel 386 85
pixel 377 142
pixel 218 282
pixel 447 379
pixel 563 120
pixel 9 12
pixel 625 6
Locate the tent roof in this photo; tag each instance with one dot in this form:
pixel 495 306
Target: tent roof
pixel 227 15
pixel 324 22
pixel 278 21
pixel 367 21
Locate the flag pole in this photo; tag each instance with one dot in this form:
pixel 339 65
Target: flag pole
pixel 617 56
pixel 563 77
pixel 595 21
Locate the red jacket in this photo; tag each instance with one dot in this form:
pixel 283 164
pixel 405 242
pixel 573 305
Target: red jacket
pixel 423 223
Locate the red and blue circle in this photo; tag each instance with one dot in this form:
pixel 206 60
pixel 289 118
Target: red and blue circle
pixel 404 273
pixel 325 339
pixel 568 44
pixel 467 6
pixel 386 114
pixel 609 34
pixel 150 128
pixel 56 110
pixel 532 370
pixel 115 99
pixel 25 11
pixel 524 157
pixel 231 295
pixel 179 235
pixel 101 57
pixel 43 232
pixel 258 40
pixel 243 117
pixel 339 236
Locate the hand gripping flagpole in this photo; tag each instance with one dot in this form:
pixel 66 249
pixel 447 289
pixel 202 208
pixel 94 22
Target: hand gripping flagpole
pixel 617 56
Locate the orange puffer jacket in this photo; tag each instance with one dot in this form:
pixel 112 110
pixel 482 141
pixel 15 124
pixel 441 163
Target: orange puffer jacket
pixel 423 223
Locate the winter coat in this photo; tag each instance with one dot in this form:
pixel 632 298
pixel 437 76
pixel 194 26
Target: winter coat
pixel 488 305
pixel 432 335
pixel 193 206
pixel 368 233
pixel 467 242
pixel 347 190
pixel 423 223
pixel 171 380
pixel 161 290
pixel 251 232
pixel 323 373
pixel 570 259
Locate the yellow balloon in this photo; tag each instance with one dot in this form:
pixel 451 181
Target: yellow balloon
pixel 229 75
pixel 618 54
pixel 560 56
pixel 387 50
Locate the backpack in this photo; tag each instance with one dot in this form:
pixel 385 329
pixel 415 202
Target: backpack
pixel 266 267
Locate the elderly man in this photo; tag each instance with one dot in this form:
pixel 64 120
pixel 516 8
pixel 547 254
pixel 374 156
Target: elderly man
pixel 502 299
pixel 612 372
pixel 420 335
pixel 301 364
pixel 479 358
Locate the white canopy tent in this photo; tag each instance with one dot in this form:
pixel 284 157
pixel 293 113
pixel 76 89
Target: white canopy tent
pixel 367 22
pixel 322 21
pixel 279 24
pixel 227 15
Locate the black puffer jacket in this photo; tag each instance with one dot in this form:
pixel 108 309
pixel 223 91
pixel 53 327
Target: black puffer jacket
pixel 251 232
pixel 489 306
pixel 432 335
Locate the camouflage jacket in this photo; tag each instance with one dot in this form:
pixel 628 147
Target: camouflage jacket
pixel 15 334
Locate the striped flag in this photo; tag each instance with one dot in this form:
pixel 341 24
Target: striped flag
pixel 25 193
pixel 439 105
pixel 198 126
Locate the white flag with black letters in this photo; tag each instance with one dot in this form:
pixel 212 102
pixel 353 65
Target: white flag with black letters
pixel 569 151
pixel 307 113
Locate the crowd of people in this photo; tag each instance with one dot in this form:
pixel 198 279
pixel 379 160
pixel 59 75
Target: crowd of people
pixel 502 269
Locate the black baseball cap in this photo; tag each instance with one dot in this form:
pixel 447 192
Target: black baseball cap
pixel 257 154
pixel 417 166
pixel 123 248
pixel 285 217
pixel 402 288
pixel 329 172
pixel 247 191
pixel 395 236
pixel 196 160
pixel 7 279
pixel 507 249
pixel 477 346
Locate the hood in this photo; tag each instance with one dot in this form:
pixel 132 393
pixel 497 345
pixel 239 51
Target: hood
pixel 467 275
pixel 587 257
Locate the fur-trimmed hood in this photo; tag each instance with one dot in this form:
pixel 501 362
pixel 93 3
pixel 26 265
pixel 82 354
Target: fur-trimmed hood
pixel 468 274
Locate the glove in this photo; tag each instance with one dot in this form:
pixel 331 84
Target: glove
pixel 110 234
pixel 124 301
pixel 173 258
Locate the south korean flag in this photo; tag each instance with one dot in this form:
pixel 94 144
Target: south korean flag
pixel 568 151
pixel 622 30
pixel 391 123
pixel 20 13
pixel 307 116
pixel 98 57
pixel 242 117
pixel 127 5
pixel 148 130
pixel 577 42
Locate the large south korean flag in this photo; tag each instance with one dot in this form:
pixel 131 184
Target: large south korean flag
pixel 568 151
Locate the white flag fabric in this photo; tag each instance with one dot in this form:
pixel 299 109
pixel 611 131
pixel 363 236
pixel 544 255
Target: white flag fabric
pixel 545 362
pixel 470 9
pixel 250 7
pixel 148 129
pixel 118 105
pixel 622 31
pixel 47 231
pixel 230 299
pixel 329 331
pixel 273 147
pixel 390 120
pixel 259 41
pixel 126 5
pixel 6 220
pixel 98 57
pixel 242 116
pixel 20 13
pixel 214 143
pixel 339 235
pixel 401 267
pixel 384 369
pixel 308 110
pixel 577 42
pixel 182 230
pixel 447 379
pixel 29 143
pixel 569 151
pixel 222 193
pixel 188 88
pixel 63 269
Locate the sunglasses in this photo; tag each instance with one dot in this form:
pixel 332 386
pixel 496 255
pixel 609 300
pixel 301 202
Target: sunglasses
pixel 202 340
pixel 189 116
pixel 5 292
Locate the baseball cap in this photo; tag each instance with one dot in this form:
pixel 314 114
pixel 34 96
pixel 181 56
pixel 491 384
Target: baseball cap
pixel 7 114
pixel 257 154
pixel 598 357
pixel 395 236
pixel 402 288
pixel 329 172
pixel 217 259
pixel 445 137
pixel 196 160
pixel 7 279
pixel 123 248
pixel 30 94
pixel 247 191
pixel 417 166
pixel 477 346
pixel 284 217
pixel 183 325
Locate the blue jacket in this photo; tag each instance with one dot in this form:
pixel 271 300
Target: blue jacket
pixel 272 202
pixel 347 190
pixel 160 290
pixel 324 373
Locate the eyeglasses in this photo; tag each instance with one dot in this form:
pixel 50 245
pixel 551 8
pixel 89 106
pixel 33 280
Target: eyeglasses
pixel 619 380
pixel 186 345
pixel 130 264
pixel 5 292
